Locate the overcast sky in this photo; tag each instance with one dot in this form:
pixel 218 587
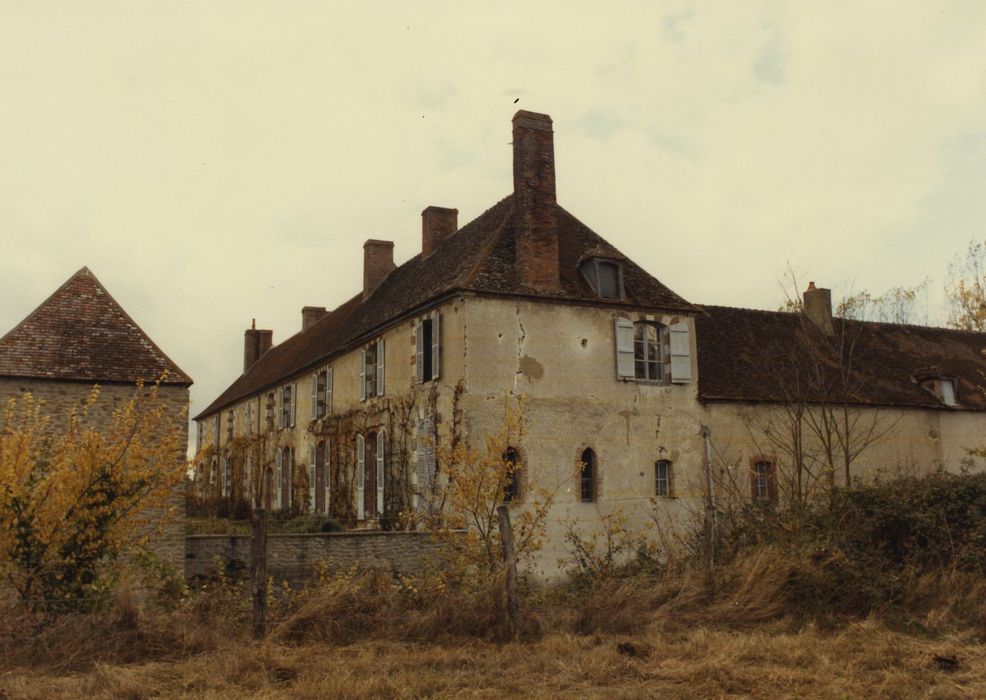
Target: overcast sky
pixel 213 162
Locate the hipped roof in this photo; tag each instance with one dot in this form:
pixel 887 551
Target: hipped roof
pixel 761 356
pixel 478 258
pixel 81 333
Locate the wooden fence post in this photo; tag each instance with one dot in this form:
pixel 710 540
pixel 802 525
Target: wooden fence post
pixel 510 560
pixel 258 572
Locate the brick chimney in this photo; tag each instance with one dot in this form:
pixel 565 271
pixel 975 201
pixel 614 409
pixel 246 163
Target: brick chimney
pixel 536 252
pixel 378 262
pixel 310 314
pixel 437 224
pixel 255 344
pixel 818 308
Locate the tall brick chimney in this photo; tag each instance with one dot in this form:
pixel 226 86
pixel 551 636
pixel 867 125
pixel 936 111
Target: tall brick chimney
pixel 818 308
pixel 437 224
pixel 536 252
pixel 255 343
pixel 378 262
pixel 310 314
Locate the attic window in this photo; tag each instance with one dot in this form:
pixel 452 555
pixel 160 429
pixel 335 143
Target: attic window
pixel 947 389
pixel 604 276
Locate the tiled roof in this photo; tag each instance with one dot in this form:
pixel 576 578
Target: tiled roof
pixel 747 355
pixel 81 333
pixel 477 258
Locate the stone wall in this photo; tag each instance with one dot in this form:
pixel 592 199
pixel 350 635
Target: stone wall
pixel 297 557
pixel 165 534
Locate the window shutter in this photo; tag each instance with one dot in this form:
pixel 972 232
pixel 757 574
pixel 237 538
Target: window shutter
pixel 681 363
pixel 380 360
pixel 419 357
pixel 311 478
pixel 279 461
pixel 294 404
pixel 360 475
pixel 380 475
pixel 421 467
pixel 328 391
pixel 624 348
pixel 436 345
pixel 315 395
pixel 280 412
pixel 362 374
pixel 328 470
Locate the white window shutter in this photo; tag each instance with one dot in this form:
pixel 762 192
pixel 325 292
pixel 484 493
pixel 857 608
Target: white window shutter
pixel 624 348
pixel 436 345
pixel 681 362
pixel 360 476
pixel 294 404
pixel 380 361
pixel 311 478
pixel 328 391
pixel 380 475
pixel 419 357
pixel 289 496
pixel 362 374
pixel 421 464
pixel 280 412
pixel 327 483
pixel 278 471
pixel 315 395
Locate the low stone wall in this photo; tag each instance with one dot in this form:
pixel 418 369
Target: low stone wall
pixel 296 557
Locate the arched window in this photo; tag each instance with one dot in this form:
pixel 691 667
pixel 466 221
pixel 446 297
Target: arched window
pixel 649 340
pixel 511 486
pixel 588 476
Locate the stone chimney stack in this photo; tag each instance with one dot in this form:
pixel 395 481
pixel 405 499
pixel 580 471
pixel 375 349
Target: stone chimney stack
pixel 536 252
pixel 437 224
pixel 378 262
pixel 255 344
pixel 310 314
pixel 818 308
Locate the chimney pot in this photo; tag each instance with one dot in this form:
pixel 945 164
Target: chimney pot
pixel 378 262
pixel 310 314
pixel 437 224
pixel 818 307
pixel 536 251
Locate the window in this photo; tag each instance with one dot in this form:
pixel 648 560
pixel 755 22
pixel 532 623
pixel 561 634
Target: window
pixel 511 487
pixel 270 411
pixel 249 417
pixel 649 340
pixel 226 481
pixel 763 483
pixel 198 437
pixel 371 360
pixel 587 476
pixel 284 476
pixel 318 393
pixel 286 416
pixel 229 425
pixel 651 352
pixel 662 478
pixel 213 472
pixel 215 430
pixel 427 351
pixel 370 475
pixel 604 276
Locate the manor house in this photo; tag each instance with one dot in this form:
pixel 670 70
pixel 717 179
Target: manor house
pixel 634 397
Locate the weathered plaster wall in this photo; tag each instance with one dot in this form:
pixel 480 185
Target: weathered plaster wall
pixel 298 557
pixel 166 534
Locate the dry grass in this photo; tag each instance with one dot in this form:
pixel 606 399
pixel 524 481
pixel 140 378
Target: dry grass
pixel 862 659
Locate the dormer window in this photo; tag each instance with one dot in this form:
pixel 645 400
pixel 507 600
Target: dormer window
pixel 946 391
pixel 604 276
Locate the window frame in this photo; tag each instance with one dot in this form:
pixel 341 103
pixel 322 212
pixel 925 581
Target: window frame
pixel 668 479
pixel 663 351
pixel 589 269
pixel 763 484
pixel 592 479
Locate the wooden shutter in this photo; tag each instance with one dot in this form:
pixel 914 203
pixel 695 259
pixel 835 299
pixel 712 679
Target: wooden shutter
pixel 681 362
pixel 294 404
pixel 360 475
pixel 315 395
pixel 380 360
pixel 280 411
pixel 362 374
pixel 279 462
pixel 380 470
pixel 436 346
pixel 425 466
pixel 328 391
pixel 311 478
pixel 624 348
pixel 328 471
pixel 419 357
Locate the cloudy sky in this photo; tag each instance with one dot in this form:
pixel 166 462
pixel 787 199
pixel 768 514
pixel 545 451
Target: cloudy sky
pixel 214 162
